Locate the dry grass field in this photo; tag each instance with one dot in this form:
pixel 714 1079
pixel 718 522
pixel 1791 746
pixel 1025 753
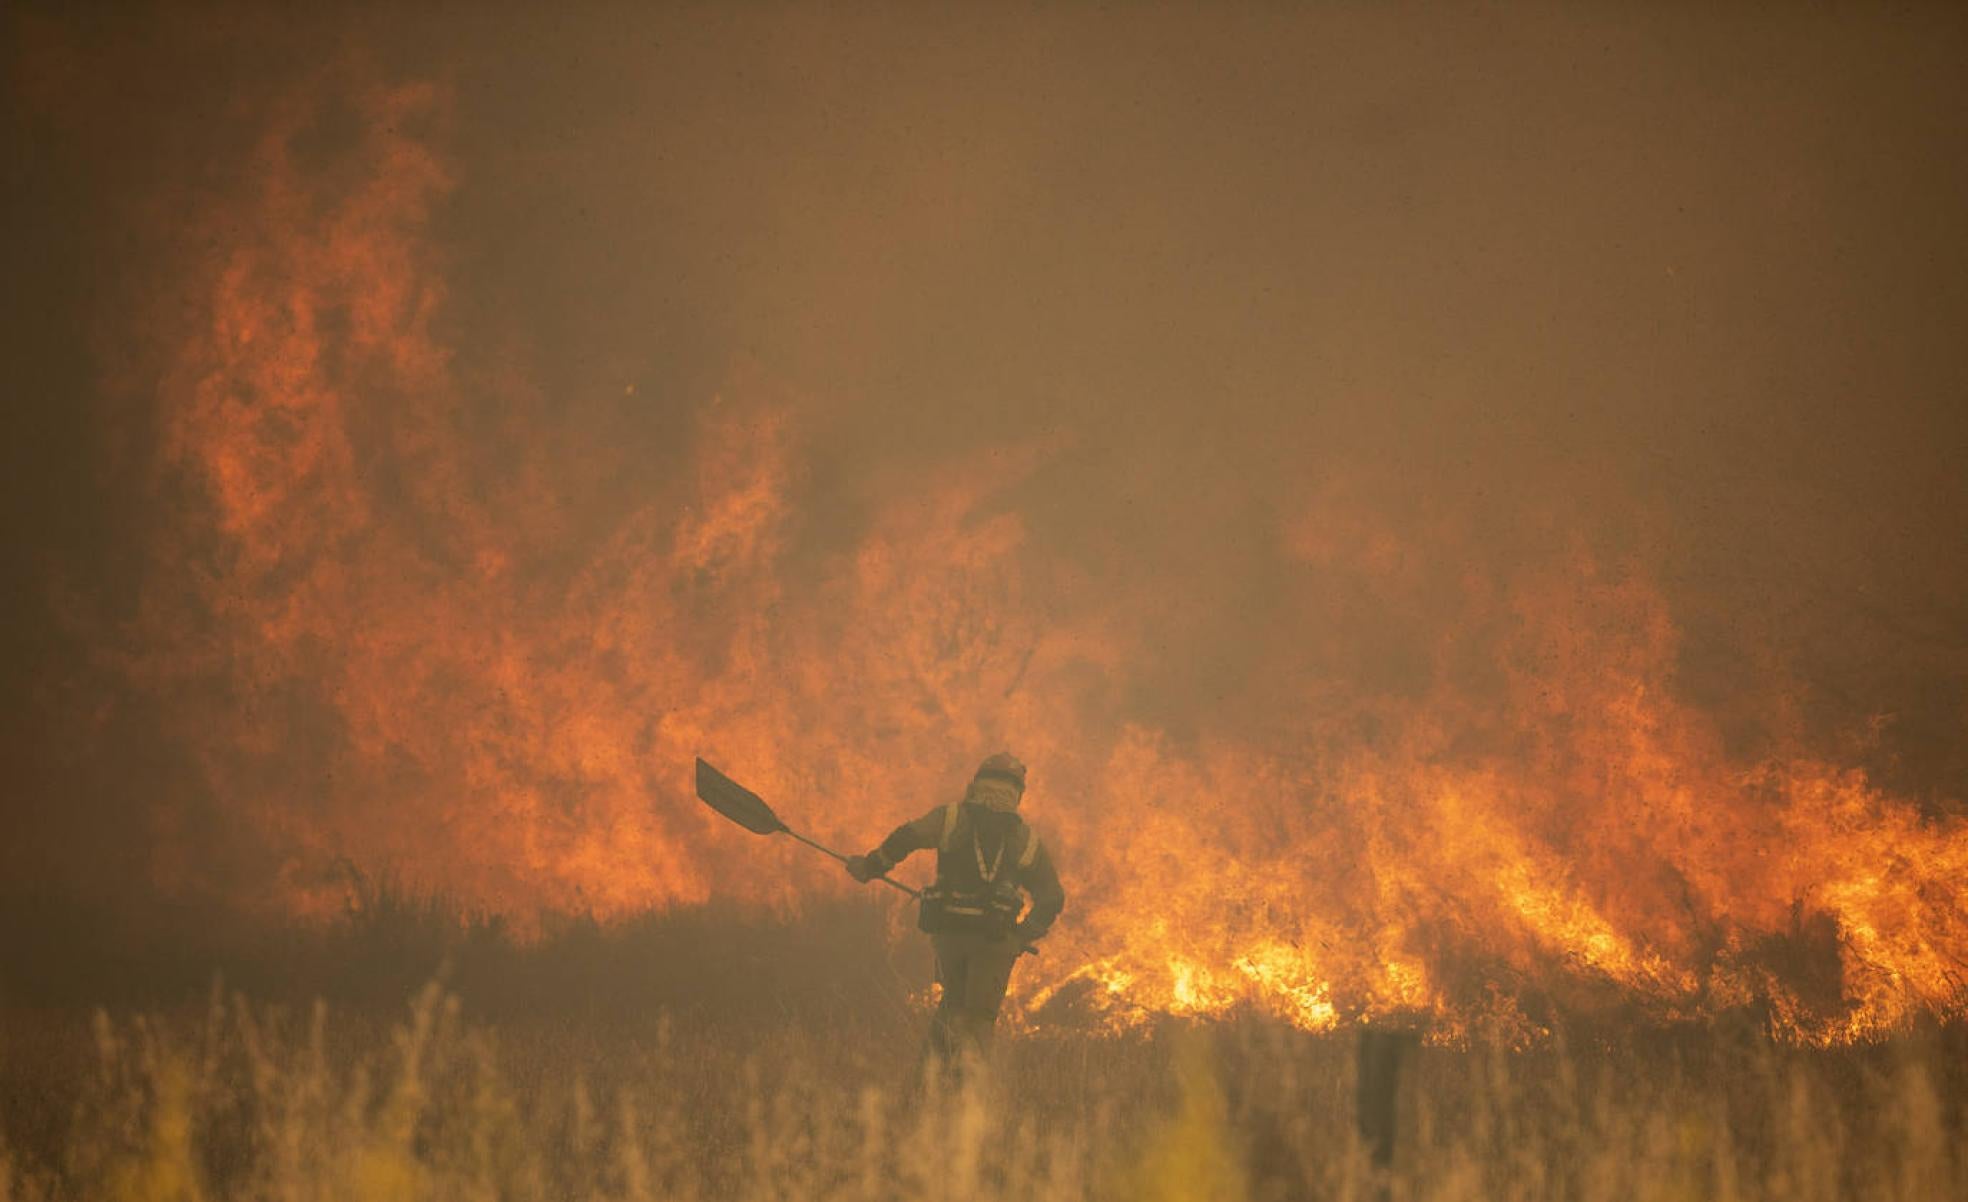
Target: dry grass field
pixel 714 1056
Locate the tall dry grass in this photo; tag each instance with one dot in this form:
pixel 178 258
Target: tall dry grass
pixel 717 1055
pixel 246 1100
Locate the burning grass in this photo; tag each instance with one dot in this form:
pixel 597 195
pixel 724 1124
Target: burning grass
pixel 403 601
pixel 774 1061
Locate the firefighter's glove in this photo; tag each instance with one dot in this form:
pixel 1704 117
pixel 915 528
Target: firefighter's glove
pixel 862 869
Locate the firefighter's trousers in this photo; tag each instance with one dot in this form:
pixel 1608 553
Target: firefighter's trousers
pixel 973 971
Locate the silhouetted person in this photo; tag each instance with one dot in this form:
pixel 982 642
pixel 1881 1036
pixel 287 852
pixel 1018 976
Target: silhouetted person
pixel 988 861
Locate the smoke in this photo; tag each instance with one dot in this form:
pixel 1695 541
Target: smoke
pixel 1434 498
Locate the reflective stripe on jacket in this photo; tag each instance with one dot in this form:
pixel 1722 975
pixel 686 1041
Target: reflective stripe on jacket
pixel 977 846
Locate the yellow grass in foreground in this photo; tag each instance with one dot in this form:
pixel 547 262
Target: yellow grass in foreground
pixel 251 1102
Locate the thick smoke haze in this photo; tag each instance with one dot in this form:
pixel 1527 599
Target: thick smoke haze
pixel 417 412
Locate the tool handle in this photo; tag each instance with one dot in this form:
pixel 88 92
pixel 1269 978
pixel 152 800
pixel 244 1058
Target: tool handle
pixel 815 846
pixel 890 881
pixel 887 880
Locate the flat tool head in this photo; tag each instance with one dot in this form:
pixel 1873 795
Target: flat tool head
pixel 735 801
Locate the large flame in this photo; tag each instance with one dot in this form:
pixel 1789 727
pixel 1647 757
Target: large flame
pixel 404 615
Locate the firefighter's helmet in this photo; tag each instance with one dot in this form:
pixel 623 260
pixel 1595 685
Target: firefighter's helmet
pixel 999 782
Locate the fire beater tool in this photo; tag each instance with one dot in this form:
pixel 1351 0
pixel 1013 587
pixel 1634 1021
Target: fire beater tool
pixel 749 810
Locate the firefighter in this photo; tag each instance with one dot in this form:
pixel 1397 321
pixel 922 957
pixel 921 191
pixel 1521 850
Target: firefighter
pixel 988 861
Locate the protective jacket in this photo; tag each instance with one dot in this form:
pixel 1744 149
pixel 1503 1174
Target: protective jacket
pixel 978 847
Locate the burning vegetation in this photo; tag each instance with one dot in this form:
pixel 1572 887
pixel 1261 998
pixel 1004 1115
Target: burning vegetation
pixel 405 609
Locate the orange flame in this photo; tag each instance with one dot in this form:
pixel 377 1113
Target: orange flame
pixel 408 618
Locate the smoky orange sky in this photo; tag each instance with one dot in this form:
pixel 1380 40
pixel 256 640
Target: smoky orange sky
pixel 1435 495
